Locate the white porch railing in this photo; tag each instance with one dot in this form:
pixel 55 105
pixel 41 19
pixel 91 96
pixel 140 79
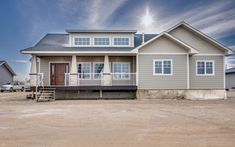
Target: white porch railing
pixel 97 79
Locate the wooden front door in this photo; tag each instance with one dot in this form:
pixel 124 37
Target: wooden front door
pixel 57 71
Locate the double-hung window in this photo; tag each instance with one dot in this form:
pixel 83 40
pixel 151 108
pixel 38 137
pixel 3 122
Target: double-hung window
pixel 82 41
pixel 121 41
pixel 98 70
pixel 101 41
pixel 205 67
pixel 121 71
pixel 162 67
pixel 84 70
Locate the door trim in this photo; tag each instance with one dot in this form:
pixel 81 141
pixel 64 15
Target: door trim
pixel 49 69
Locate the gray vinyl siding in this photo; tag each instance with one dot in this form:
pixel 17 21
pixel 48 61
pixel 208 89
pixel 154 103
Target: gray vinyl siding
pixel 230 80
pixel 6 76
pixel 149 81
pixel 163 45
pixel 207 82
pixel 44 67
pixel 192 39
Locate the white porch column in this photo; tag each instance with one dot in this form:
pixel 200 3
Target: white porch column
pixel 73 80
pixel 106 73
pixel 33 71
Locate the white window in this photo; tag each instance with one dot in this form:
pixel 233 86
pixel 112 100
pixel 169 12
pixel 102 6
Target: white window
pixel 83 41
pixel 121 41
pixel 121 71
pixel 162 67
pixel 205 67
pixel 101 41
pixel 84 70
pixel 98 70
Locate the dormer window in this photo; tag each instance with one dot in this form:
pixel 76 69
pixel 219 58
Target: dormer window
pixel 121 41
pixel 101 41
pixel 82 41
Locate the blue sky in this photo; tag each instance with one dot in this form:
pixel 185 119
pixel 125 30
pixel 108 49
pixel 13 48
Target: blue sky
pixel 24 22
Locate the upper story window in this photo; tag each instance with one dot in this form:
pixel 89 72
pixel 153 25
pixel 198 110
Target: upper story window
pixel 101 41
pixel 121 41
pixel 82 41
pixel 162 67
pixel 205 67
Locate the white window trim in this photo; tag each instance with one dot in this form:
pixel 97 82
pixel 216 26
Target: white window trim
pixel 121 45
pixel 81 69
pixel 162 74
pixel 110 41
pixel 81 37
pixel 213 70
pixel 121 73
pixel 94 70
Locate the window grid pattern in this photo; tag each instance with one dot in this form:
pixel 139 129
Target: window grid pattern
pixel 205 67
pixel 163 67
pixel 82 41
pixel 121 70
pixel 101 41
pixel 84 70
pixel 98 69
pixel 121 41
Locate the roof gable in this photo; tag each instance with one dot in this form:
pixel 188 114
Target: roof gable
pixel 4 63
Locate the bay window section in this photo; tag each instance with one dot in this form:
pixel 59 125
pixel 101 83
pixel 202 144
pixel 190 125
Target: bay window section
pixel 204 67
pixel 98 70
pixel 162 67
pixel 121 71
pixel 84 71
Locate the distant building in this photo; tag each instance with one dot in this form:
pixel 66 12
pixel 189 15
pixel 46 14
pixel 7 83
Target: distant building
pixel 6 73
pixel 230 78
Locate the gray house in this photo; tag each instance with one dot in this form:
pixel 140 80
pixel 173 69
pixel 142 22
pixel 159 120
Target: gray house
pixel 6 73
pixel 180 62
pixel 230 78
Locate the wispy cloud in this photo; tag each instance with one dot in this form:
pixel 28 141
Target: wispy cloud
pixel 22 61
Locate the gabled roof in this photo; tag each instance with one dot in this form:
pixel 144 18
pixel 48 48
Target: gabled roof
pixel 4 63
pixel 99 31
pixel 191 49
pixel 213 41
pixel 231 70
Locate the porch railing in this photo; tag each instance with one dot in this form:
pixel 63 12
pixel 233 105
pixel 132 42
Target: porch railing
pixel 97 79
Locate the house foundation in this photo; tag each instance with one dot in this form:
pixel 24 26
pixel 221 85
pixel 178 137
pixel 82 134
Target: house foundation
pixel 190 94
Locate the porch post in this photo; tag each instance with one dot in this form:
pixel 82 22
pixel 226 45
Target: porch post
pixel 33 71
pixel 106 73
pixel 73 79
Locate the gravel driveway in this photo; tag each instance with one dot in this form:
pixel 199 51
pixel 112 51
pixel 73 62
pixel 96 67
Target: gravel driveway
pixel 116 123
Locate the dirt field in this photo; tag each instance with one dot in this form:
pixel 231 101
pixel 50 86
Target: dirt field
pixel 116 123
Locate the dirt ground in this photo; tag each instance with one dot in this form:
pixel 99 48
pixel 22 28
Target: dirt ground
pixel 116 123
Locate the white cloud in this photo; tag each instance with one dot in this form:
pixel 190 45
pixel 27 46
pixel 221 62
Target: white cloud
pixel 22 61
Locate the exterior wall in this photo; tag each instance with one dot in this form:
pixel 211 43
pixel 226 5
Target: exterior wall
pixel 45 66
pixel 230 80
pixel 202 45
pixel 207 82
pixel 149 81
pixel 109 35
pixel 6 76
pixel 162 45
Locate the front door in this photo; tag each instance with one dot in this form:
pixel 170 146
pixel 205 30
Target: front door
pixel 57 71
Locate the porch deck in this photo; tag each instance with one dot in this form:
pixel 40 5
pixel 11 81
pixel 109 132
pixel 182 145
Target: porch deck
pixel 107 88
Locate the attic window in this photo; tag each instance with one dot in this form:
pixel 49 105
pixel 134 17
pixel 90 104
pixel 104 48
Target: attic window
pixel 84 41
pixel 121 41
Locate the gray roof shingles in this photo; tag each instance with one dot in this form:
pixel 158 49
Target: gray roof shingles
pixel 60 42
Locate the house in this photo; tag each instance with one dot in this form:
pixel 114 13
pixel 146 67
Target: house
pixel 6 73
pixel 230 78
pixel 180 62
